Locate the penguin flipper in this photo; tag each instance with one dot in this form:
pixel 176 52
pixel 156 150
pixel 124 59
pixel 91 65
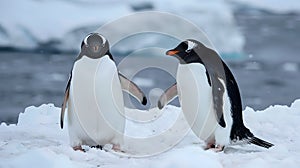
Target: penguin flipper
pixel 131 88
pixel 64 104
pixel 218 88
pixel 260 142
pixel 170 94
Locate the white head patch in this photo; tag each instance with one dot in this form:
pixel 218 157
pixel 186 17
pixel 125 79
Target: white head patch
pixel 85 39
pixel 191 45
pixel 103 39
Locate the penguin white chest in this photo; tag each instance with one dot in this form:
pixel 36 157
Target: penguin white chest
pixel 96 108
pixel 195 96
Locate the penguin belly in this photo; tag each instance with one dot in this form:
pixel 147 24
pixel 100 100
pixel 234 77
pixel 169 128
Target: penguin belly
pixel 195 96
pixel 95 106
pixel 196 99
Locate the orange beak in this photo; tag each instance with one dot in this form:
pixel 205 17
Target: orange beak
pixel 172 52
pixel 96 48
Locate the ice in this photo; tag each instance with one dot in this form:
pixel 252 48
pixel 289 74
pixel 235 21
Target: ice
pixel 37 141
pixel 214 17
pixel 29 23
pixel 62 24
pixel 144 82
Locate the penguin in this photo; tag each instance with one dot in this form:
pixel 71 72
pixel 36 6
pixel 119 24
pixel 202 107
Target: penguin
pixel 94 97
pixel 209 97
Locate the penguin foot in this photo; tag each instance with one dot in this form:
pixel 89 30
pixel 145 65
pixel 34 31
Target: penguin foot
pixel 215 148
pixel 78 148
pixel 218 148
pixel 117 148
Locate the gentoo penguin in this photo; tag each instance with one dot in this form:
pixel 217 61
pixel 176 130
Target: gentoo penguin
pixel 94 97
pixel 209 97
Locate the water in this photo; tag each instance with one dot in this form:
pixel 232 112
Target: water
pixel 268 75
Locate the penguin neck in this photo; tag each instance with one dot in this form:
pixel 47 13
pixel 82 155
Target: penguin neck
pixel 93 55
pixel 190 59
pixel 109 54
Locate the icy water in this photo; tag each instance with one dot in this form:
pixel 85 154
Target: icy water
pixel 267 75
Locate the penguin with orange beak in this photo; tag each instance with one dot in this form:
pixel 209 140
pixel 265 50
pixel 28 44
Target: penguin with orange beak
pixel 209 97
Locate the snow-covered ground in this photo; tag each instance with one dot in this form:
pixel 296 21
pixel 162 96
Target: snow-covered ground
pixel 62 24
pixel 38 141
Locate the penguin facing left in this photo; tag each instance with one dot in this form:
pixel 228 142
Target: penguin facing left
pixel 94 97
pixel 209 97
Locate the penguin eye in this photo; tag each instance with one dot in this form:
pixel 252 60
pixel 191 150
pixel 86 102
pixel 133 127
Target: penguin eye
pixel 188 51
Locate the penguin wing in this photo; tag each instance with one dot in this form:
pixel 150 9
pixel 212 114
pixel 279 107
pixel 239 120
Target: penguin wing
pixel 131 88
pixel 64 104
pixel 218 88
pixel 170 94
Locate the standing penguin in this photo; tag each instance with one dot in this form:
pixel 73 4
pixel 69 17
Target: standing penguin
pixel 94 97
pixel 209 97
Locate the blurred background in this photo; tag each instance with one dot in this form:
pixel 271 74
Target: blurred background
pixel 39 40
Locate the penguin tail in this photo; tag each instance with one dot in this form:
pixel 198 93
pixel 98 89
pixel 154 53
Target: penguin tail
pixel 259 142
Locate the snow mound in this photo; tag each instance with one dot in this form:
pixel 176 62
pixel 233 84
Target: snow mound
pixel 38 141
pixel 61 24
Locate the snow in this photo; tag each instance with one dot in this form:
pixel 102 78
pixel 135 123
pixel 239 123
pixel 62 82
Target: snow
pixel 28 23
pixel 37 141
pixel 276 6
pixel 62 24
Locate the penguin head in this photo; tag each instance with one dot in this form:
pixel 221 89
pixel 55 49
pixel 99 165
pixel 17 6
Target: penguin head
pixel 186 51
pixel 94 45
